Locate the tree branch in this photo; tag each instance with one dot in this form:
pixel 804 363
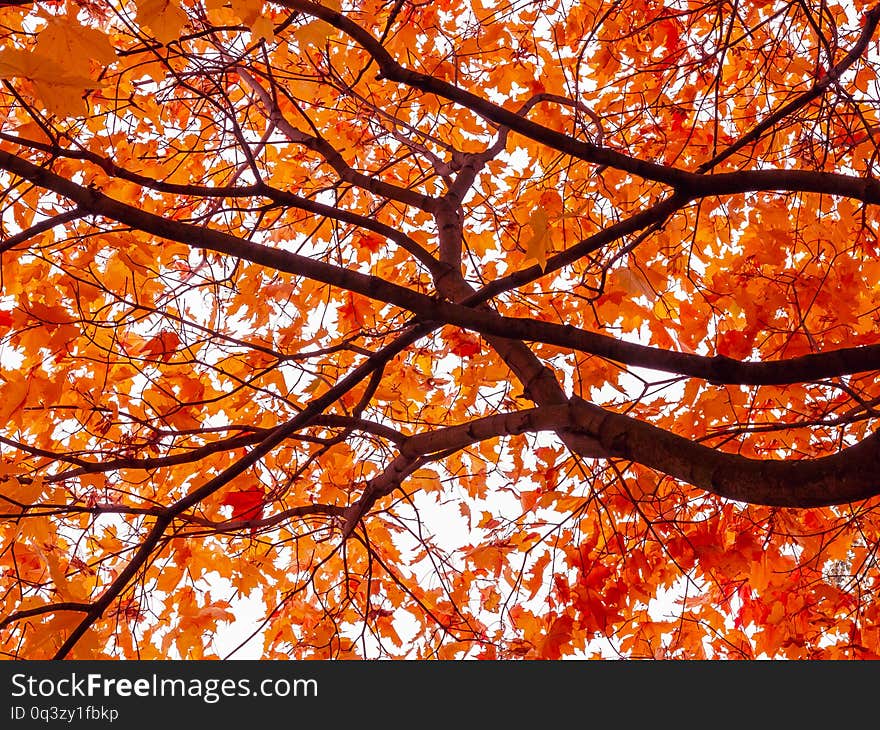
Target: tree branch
pixel 850 475
pixel 717 369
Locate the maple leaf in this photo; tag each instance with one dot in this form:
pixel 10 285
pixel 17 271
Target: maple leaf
pixel 247 10
pixel 164 17
pixel 252 14
pixel 558 635
pixel 20 495
pixel 353 313
pixel 368 243
pixel 246 503
pixel 263 28
pixel 536 579
pixel 539 242
pixel 463 344
pixel 735 344
pixel 301 261
pixel 316 32
pixel 163 345
pixel 73 46
pixel 60 90
pixel 13 395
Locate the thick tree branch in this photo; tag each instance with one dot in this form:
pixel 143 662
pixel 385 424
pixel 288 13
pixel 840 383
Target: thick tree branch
pixel 332 156
pixel 681 180
pixel 850 475
pixel 261 189
pixel 713 369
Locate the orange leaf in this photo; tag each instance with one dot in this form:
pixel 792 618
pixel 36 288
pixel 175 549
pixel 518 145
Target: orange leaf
pixel 13 395
pixel 164 345
pixel 60 89
pixel 74 46
pixel 539 243
pixel 163 17
pixel 558 635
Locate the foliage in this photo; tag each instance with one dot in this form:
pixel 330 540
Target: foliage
pixel 441 330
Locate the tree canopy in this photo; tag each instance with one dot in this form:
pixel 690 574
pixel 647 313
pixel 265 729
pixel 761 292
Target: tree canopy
pixel 478 329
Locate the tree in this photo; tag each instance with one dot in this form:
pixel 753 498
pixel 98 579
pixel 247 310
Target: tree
pixel 496 330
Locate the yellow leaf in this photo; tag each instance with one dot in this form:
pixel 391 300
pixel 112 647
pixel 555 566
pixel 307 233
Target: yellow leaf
pixel 163 17
pixel 247 10
pixel 666 308
pixel 60 90
pixel 250 12
pixel 13 395
pixel 263 28
pixel 13 493
pixel 74 46
pixel 314 33
pixel 635 283
pixel 538 244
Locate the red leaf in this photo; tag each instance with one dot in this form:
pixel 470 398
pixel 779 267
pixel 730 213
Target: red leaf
pixel 353 313
pixel 163 345
pixel 463 344
pixel 735 344
pixel 372 242
pixel 557 637
pixel 246 503
pixel 562 588
pixel 5 319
